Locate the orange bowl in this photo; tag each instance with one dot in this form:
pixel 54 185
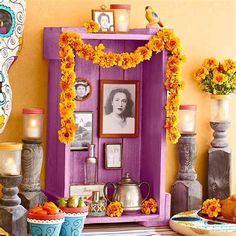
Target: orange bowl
pixel 75 210
pixel 58 216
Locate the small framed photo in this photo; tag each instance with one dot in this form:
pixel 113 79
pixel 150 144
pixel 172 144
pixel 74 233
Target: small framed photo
pixel 84 132
pixel 119 108
pixel 113 156
pixel 83 89
pixel 105 19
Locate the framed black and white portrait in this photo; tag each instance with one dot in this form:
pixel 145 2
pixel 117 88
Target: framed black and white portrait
pixel 83 89
pixel 105 19
pixel 84 131
pixel 119 108
pixel 113 156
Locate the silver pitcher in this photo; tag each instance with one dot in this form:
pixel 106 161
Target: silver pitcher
pixel 128 193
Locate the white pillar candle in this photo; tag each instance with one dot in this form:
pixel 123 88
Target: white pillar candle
pixel 187 119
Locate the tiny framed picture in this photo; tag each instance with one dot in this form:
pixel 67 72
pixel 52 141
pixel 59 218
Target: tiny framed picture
pixel 105 19
pixel 84 132
pixel 113 156
pixel 119 108
pixel 83 89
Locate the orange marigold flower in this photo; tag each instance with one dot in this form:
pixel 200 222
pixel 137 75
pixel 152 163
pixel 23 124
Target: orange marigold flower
pixel 114 209
pixel 201 74
pixel 173 44
pixel 144 52
pixel 211 207
pixel 229 66
pixel 219 78
pixel 92 26
pixel 210 63
pixel 149 206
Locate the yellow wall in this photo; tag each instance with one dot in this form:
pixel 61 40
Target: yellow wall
pixel 206 28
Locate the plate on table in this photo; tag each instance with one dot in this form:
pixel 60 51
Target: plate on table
pixel 217 219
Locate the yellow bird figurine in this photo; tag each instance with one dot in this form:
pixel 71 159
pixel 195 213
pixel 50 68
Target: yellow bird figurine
pixel 152 17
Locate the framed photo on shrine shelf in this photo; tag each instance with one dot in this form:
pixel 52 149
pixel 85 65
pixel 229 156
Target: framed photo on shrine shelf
pixel 113 156
pixel 105 20
pixel 84 132
pixel 119 108
pixel 83 89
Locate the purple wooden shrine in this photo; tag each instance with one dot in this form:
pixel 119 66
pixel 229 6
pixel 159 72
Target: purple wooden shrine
pixel 143 157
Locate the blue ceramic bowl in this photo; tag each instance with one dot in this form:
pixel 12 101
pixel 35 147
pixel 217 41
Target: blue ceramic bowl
pixel 48 225
pixel 73 224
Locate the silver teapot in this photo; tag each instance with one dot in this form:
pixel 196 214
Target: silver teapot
pixel 128 193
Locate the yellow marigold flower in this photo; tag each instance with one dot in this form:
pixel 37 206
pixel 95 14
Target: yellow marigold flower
pixel 229 66
pixel 201 74
pixel 219 78
pixel 211 207
pixel 66 136
pixel 144 53
pixel 68 94
pixel 155 44
pixel 92 26
pixel 114 209
pixel 210 63
pixel 67 108
pixel 173 44
pixel 149 206
pixel 165 34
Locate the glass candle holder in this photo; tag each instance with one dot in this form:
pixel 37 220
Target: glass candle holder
pixel 219 108
pixel 32 124
pixel 10 158
pixel 122 16
pixel 187 119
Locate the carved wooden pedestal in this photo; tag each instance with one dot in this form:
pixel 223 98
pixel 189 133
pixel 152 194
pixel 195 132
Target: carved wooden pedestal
pixel 12 215
pixel 186 192
pixel 31 160
pixel 219 162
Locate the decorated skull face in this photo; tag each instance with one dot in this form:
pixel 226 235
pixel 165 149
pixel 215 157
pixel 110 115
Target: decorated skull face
pixel 12 17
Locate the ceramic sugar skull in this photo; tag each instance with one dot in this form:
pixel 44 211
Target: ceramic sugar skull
pixel 12 17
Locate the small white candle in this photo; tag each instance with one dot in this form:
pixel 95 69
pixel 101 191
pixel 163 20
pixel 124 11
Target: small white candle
pixel 187 119
pixel 33 130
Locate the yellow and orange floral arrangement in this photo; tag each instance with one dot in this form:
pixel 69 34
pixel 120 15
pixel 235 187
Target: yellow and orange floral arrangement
pixel 72 42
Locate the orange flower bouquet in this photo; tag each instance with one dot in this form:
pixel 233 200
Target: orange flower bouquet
pixel 149 206
pixel 211 207
pixel 115 209
pixel 217 78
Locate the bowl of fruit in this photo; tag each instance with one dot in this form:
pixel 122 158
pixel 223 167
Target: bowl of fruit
pixel 76 211
pixel 45 220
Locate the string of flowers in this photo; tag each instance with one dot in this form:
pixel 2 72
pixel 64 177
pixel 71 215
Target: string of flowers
pixel 164 39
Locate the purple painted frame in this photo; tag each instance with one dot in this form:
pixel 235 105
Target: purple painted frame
pixel 143 156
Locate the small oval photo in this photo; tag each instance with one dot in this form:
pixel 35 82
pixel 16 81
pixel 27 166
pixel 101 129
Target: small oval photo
pixel 83 89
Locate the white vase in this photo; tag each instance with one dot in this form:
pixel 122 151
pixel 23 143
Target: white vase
pixel 219 108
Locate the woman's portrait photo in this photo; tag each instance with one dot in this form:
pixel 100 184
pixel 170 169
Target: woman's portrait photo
pixel 83 89
pixel 119 108
pixel 84 132
pixel 105 19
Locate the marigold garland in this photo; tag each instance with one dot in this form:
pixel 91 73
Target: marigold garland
pixel 114 209
pixel 164 39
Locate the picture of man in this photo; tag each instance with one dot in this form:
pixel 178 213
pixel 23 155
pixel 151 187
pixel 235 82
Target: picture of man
pixel 83 89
